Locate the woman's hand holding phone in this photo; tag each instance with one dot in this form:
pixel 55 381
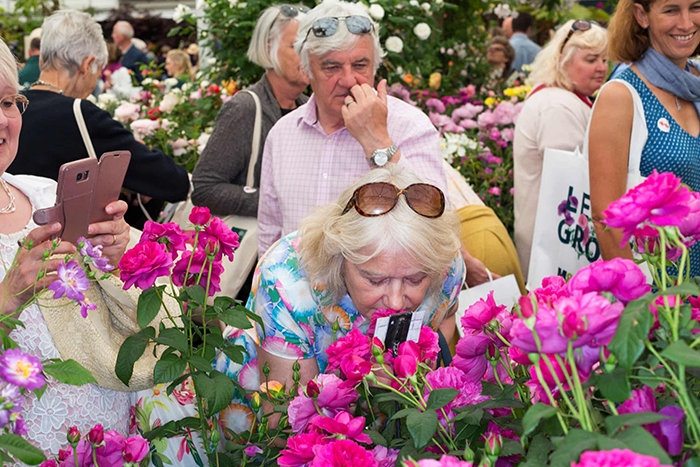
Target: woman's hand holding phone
pixel 113 234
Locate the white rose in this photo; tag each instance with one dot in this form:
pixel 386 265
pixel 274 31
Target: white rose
pixel 425 6
pixel 169 102
pixel 422 31
pixel 170 82
pixel 180 146
pixel 376 11
pixel 204 84
pixel 106 98
pixel 180 11
pixel 166 124
pixel 232 3
pixel 144 127
pixel 202 142
pixel 394 44
pixel 399 70
pixel 242 5
pixel 146 82
pixel 439 2
pixel 414 3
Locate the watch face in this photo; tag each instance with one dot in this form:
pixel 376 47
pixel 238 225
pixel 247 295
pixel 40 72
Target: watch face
pixel 380 158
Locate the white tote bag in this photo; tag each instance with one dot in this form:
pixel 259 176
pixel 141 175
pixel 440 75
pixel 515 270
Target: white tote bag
pixel 557 247
pixel 236 272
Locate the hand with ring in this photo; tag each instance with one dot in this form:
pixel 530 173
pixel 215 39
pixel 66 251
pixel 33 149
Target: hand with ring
pixel 113 235
pixel 365 116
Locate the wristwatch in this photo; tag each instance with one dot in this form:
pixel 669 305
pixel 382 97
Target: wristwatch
pixel 380 157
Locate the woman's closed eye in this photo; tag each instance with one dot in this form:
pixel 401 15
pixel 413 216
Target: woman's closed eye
pixel 377 282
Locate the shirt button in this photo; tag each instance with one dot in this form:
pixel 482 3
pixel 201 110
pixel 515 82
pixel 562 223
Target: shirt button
pixel 325 175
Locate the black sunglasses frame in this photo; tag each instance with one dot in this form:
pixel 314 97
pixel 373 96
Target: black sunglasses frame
pixel 357 25
pixel 578 25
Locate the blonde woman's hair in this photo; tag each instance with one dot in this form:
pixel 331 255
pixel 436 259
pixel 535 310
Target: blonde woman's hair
pixel 8 67
pixel 548 67
pixel 329 238
pixel 182 61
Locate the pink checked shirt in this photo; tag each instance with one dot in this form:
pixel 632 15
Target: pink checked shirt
pixel 303 167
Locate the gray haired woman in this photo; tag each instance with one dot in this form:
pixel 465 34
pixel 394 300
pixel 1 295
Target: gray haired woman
pixel 220 174
pixel 73 53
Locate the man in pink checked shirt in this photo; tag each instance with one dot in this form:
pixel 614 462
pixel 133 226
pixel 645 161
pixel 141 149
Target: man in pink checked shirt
pixel 344 130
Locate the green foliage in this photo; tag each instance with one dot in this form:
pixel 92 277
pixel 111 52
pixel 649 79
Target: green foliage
pixel 21 449
pixel 69 372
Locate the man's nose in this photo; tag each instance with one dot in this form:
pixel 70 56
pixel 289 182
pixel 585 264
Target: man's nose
pixel 348 78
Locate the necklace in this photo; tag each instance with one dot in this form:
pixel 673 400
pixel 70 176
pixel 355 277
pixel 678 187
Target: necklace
pixel 60 91
pixel 678 103
pixel 11 205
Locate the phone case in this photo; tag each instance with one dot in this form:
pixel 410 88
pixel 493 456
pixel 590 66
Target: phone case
pixel 85 187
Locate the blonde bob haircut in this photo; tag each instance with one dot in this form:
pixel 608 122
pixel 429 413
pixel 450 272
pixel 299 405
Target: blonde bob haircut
pixel 549 65
pixel 8 67
pixel 329 238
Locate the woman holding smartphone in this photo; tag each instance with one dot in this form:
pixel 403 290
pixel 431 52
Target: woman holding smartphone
pixel 62 405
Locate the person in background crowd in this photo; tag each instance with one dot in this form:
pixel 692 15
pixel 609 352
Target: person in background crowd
pixel 62 405
pixel 525 49
pixel 132 56
pixel 570 68
pixel 30 71
pixel 193 51
pixel 500 55
pixel 220 175
pixel 344 130
pixel 50 135
pixel 178 65
pixel 114 54
pixel 658 37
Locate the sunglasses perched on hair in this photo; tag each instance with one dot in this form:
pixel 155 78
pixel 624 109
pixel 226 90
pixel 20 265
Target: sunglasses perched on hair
pixel 578 25
pixel 292 11
pixel 377 199
pixel 326 27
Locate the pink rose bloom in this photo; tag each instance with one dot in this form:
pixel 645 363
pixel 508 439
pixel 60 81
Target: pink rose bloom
pixel 142 264
pixel 168 234
pixel 467 111
pixel 332 399
pixel 429 344
pixel 200 216
pixel 439 120
pixel 616 458
pixel 547 326
pixel 471 358
pixel 444 461
pixel 553 288
pixel 355 370
pixel 668 432
pixel 451 377
pixel 127 112
pixel 504 113
pixel 435 105
pixel 345 425
pixel 200 264
pixel 342 453
pixel 144 127
pixel 482 313
pixel 470 90
pixel 299 450
pixel 468 124
pixel 135 449
pixel 588 319
pixel 659 200
pixel 507 134
pixel 180 146
pixel 486 119
pixel 537 390
pixel 690 225
pixel 385 457
pixel 354 343
pixel 452 127
pixel 380 313
pixel 494 190
pixel 621 277
pixel 218 238
pixel 111 453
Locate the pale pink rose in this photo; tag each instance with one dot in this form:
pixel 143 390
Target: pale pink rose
pixel 127 112
pixel 144 127
pixel 180 146
pixel 170 100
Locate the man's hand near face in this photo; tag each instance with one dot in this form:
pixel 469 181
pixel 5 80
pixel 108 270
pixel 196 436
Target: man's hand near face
pixel 365 116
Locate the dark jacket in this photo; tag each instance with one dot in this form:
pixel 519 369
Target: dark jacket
pixel 133 59
pixel 221 171
pixel 30 72
pixel 50 137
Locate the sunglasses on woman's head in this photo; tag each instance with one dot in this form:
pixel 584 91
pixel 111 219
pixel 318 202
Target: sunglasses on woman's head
pixel 292 11
pixel 377 199
pixel 326 27
pixel 578 25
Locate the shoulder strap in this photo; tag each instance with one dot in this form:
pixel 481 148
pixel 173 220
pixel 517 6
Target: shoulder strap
pixel 255 149
pixel 83 128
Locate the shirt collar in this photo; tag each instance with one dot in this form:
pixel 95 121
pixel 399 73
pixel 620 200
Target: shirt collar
pixel 309 115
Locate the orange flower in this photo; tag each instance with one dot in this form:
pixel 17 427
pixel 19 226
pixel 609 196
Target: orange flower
pixel 408 79
pixel 450 63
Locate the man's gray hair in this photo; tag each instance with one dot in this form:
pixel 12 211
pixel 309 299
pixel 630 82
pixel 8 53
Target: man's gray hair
pixel 68 37
pixel 125 28
pixel 267 36
pixel 307 43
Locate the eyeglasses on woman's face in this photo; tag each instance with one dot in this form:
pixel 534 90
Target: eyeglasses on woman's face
pixel 13 106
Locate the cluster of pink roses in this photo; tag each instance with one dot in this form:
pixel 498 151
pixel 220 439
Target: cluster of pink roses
pixel 161 244
pixel 100 448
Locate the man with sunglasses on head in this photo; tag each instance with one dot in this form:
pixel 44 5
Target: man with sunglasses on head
pixel 346 128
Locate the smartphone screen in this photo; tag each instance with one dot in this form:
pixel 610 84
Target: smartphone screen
pixel 398 328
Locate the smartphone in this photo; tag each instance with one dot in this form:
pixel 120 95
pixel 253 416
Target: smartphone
pixel 397 328
pixel 85 188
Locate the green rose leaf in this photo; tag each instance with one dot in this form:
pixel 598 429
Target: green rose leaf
pixel 641 441
pixel 614 423
pixel 130 351
pixel 536 413
pixel 440 398
pixel 680 353
pixel 173 337
pixel 422 426
pixel 148 305
pixel 635 322
pixel 572 446
pixel 615 386
pixel 235 318
pixel 69 372
pixel 168 368
pixel 21 449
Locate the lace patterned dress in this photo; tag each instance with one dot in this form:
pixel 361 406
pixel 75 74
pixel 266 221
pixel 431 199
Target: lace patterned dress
pixel 62 405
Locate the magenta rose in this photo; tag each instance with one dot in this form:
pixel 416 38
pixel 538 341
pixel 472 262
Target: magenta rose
pixel 668 432
pixel 170 234
pixel 616 458
pixel 332 399
pixel 142 264
pixel 588 319
pixel 200 215
pixel 299 450
pixel 471 357
pixel 200 264
pixel 342 453
pixel 553 288
pixel 659 200
pixel 355 370
pixel 621 277
pixel 218 239
pixel 345 425
pixel 690 225
pixel 353 343
pixel 135 449
pixel 429 344
pixel 385 457
pixel 111 453
pixel 451 377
